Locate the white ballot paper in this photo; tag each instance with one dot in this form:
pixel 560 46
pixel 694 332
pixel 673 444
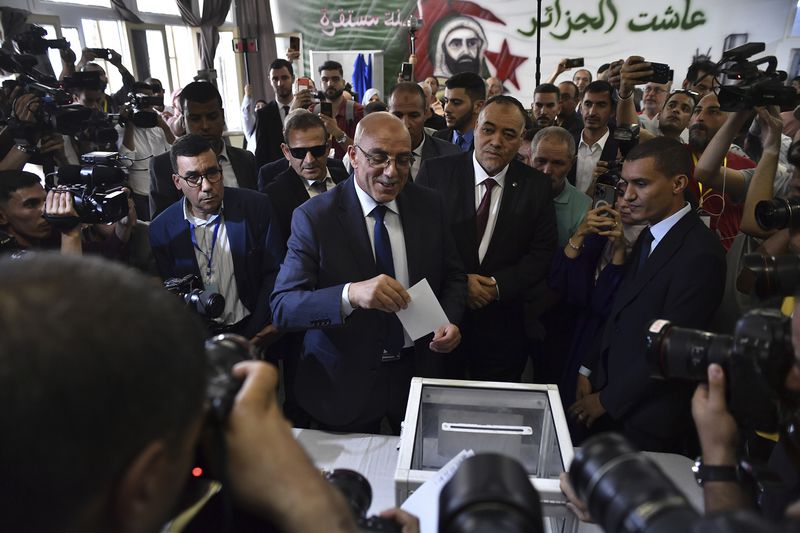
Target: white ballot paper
pixel 424 314
pixel 424 502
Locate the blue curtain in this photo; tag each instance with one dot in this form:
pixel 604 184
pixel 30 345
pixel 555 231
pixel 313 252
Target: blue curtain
pixel 362 75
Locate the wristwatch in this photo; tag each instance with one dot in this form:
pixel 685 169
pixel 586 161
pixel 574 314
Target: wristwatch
pixel 704 473
pixel 26 148
pixel 342 138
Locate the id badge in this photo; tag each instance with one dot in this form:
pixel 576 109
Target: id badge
pixel 210 283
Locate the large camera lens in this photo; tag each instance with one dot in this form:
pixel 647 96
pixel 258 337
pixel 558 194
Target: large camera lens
pixel 684 353
pixel 625 490
pixel 207 304
pixel 773 275
pixel 778 213
pixel 489 493
pixel 355 488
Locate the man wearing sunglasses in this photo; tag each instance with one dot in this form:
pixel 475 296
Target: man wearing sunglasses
pixel 306 150
pixel 235 251
pixel 352 254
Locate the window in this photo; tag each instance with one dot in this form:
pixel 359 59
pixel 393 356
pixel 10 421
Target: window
pixel 180 39
pixel 106 34
pixel 96 3
pixel 163 7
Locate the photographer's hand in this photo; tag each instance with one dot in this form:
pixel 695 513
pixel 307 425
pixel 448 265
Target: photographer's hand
pixel 407 521
pixel 574 504
pixel 59 204
pixel 269 473
pixel 124 227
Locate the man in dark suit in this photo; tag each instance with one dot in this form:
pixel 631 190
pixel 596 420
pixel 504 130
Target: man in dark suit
pixel 676 272
pixel 307 174
pixel 270 171
pixel 595 143
pixel 204 116
pixel 235 251
pixel 504 224
pixel 353 251
pixel 464 95
pixel 270 118
pixel 407 102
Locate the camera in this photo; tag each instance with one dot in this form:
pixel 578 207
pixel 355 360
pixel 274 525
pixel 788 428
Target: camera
pixel 605 189
pixel 222 353
pixel 755 87
pixel 32 41
pixel 661 73
pixel 490 492
pixel 756 361
pixel 87 81
pixel 773 275
pixel 778 213
pixel 96 188
pixel 143 115
pixel 358 494
pixel 206 304
pixel 625 490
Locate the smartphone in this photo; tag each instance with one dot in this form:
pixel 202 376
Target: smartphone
pixel 407 72
pixel 604 196
pixel 102 53
pixel 575 62
pixel 661 73
pixel 303 84
pixel 326 108
pixel 294 43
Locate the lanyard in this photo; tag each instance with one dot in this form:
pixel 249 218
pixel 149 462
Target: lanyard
pixel 210 255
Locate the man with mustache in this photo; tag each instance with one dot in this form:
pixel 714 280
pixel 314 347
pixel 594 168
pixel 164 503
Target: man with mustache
pixel 352 254
pixel 464 95
pixel 502 217
pixel 232 247
pixel 346 113
pixel 546 105
pixel 595 143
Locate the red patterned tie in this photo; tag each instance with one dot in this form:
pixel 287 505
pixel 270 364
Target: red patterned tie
pixel 482 215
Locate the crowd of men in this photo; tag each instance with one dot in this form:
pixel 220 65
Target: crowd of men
pixel 314 233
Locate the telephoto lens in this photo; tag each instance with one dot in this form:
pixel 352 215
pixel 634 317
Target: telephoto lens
pixel 778 213
pixel 625 490
pixel 772 276
pixel 490 493
pixel 683 353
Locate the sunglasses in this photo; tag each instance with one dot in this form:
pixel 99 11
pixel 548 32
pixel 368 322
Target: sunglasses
pixel 316 151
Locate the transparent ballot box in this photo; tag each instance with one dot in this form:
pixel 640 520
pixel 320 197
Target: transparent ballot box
pixel 523 421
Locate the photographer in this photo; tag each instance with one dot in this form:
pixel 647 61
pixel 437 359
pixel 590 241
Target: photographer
pixel 38 146
pixel 108 103
pixel 105 443
pixel 140 144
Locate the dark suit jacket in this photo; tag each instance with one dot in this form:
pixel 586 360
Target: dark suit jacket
pixel 682 281
pixel 270 171
pixel 436 122
pixel 524 236
pixel 329 246
pixel 608 154
pixel 447 135
pixel 286 192
pixel 435 147
pixel 255 246
pixel 163 192
pixel 268 134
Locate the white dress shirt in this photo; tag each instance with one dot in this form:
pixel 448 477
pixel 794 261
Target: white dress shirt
pixel 494 205
pixel 221 278
pixel 588 156
pixel 146 142
pixel 329 184
pixel 661 229
pixel 394 227
pixel 228 175
pixel 417 159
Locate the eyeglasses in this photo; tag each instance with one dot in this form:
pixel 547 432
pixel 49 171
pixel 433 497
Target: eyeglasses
pixel 316 151
pixel 212 175
pixel 403 161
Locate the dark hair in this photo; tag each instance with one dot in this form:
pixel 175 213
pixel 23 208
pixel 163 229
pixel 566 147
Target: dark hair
pixel 670 157
pixel 189 145
pixel 504 99
pixel 302 119
pixel 200 92
pixel 13 180
pixel 282 63
pixel 602 86
pixel 547 88
pixel 142 86
pixel 89 381
pixel 573 86
pixel 374 107
pixel 586 70
pixel 695 68
pixel 690 94
pixel 331 65
pixel 409 87
pixel 602 68
pixel 472 84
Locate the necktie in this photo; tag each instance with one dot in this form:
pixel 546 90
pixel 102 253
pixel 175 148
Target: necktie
pixel 285 111
pixel 482 215
pixel 385 264
pixel 647 239
pixel 319 187
pixel 460 141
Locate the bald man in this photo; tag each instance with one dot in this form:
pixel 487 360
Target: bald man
pixel 353 253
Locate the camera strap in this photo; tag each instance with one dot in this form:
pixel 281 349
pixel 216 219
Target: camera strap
pixel 209 256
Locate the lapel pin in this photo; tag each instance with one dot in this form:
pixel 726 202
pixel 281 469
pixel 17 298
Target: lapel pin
pixel 514 184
